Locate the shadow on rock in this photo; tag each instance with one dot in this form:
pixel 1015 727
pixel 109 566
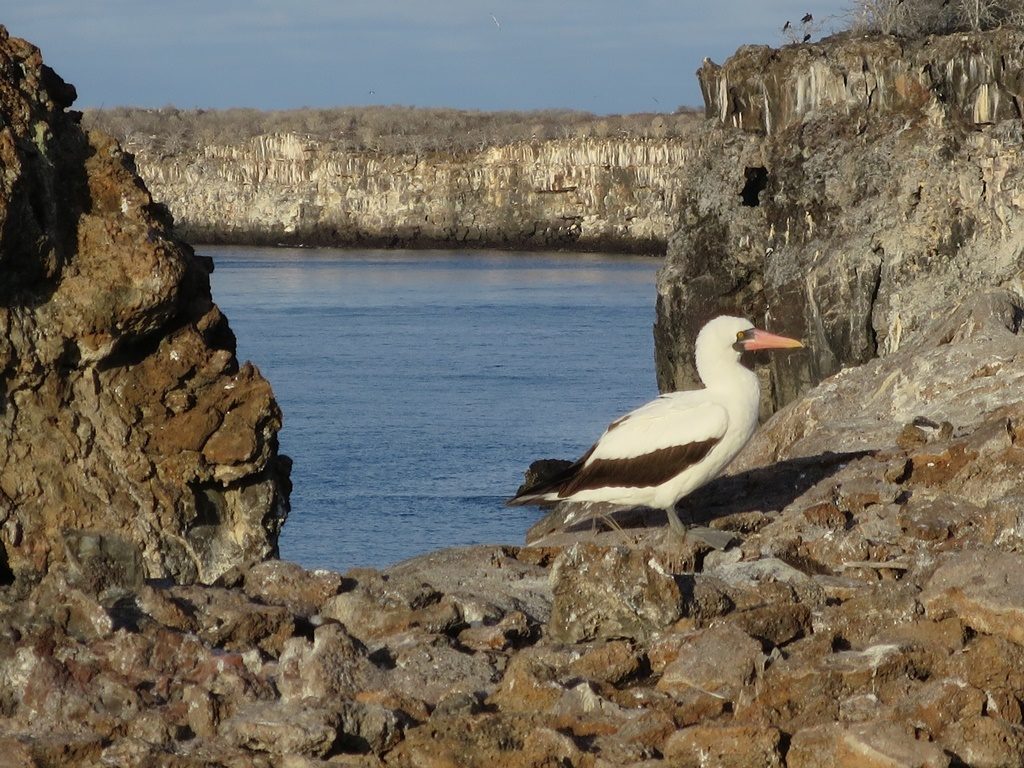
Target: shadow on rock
pixel 763 489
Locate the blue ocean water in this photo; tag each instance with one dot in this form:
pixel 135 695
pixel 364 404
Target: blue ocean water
pixel 417 386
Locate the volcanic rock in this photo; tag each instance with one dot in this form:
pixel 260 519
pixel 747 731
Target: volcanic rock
pixel 861 611
pixel 123 409
pixel 847 193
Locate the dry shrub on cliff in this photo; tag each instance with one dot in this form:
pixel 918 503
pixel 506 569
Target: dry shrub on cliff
pixel 386 129
pixel 917 18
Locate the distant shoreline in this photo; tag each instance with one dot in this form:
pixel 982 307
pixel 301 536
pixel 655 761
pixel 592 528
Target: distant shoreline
pixel 651 247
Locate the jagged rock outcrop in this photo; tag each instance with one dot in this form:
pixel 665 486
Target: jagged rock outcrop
pixel 866 612
pixel 122 406
pixel 588 193
pixel 849 192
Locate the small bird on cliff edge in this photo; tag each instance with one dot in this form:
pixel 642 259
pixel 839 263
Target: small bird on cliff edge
pixel 658 453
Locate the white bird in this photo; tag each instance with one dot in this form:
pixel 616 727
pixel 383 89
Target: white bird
pixel 658 453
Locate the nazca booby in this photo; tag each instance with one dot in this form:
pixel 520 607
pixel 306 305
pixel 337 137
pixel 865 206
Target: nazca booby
pixel 658 453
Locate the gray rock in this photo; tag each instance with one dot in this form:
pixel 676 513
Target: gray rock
pixel 282 583
pixel 333 667
pixel 107 566
pixel 863 744
pixel 602 592
pixel 609 194
pixel 877 209
pixel 429 668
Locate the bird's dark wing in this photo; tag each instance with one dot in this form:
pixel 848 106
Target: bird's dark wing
pixel 643 471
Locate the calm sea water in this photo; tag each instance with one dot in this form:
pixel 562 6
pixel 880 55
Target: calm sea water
pixel 417 386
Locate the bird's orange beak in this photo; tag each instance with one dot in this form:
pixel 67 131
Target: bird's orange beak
pixel 763 340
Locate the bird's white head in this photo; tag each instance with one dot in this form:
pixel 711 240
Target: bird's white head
pixel 721 342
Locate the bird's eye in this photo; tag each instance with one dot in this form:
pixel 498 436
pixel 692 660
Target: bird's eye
pixel 741 336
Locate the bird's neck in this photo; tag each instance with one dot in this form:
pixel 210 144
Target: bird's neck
pixel 726 375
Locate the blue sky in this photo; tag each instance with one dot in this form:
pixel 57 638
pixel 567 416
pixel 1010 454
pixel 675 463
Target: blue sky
pixel 603 56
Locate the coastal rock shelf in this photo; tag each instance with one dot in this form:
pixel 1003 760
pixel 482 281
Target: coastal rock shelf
pixel 595 194
pixel 869 603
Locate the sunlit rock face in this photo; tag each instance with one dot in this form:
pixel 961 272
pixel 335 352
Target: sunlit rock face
pixel 123 409
pixel 972 77
pixel 847 193
pixel 586 193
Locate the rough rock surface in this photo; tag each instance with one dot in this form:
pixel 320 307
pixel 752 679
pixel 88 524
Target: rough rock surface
pixel 861 607
pixel 846 192
pixel 122 406
pixel 866 613
pixel 611 194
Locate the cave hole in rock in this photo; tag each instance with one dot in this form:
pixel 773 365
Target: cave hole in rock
pixel 6 574
pixel 756 181
pixel 210 507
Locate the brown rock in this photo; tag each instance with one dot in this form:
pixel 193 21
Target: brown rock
pixel 279 582
pixel 484 740
pixel 984 589
pixel 720 661
pixel 872 610
pixel 988 663
pixel 771 613
pixel 265 727
pixel 380 605
pixel 614 662
pixel 934 705
pixel 16 754
pixel 60 748
pixel 531 682
pixel 868 745
pixel 985 742
pixel 514 629
pixel 228 619
pixel 203 711
pixel 104 317
pixel 725 747
pixel 810 687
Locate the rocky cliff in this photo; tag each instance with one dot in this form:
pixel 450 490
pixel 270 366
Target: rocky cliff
pixel 122 406
pixel 851 191
pixel 586 193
